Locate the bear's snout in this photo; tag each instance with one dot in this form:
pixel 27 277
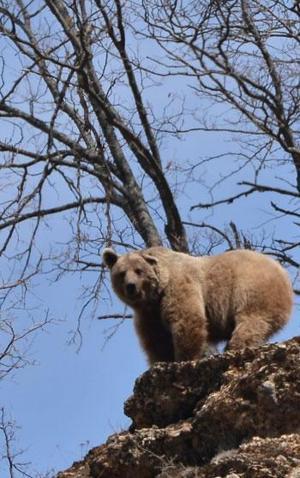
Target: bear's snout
pixel 131 289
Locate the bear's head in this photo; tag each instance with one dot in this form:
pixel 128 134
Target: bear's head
pixel 134 276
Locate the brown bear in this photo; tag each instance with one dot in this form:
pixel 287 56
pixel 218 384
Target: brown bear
pixel 184 303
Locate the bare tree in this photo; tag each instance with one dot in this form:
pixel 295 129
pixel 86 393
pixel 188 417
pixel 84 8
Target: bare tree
pixel 75 114
pixel 14 465
pixel 80 136
pixel 102 137
pixel 240 57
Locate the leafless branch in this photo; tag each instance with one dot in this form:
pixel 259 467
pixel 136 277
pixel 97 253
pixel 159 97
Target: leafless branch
pixel 14 466
pixel 114 316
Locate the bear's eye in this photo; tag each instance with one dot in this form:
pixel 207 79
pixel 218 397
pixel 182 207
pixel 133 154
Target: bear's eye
pixel 138 272
pixel 121 274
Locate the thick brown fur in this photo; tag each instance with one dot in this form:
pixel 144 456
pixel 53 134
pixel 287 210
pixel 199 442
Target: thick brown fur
pixel 183 303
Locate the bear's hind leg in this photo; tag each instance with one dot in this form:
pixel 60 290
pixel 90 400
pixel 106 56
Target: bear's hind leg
pixel 251 330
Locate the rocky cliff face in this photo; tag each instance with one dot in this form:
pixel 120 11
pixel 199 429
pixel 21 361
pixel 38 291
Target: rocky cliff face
pixel 231 415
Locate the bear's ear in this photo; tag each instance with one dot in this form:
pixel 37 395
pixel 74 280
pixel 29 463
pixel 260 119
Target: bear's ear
pixel 110 257
pixel 153 261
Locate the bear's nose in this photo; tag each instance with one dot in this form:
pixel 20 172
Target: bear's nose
pixel 131 289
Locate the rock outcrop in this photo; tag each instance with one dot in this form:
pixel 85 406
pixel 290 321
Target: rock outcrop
pixel 231 415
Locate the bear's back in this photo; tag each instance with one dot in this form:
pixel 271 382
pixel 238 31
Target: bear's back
pixel 237 278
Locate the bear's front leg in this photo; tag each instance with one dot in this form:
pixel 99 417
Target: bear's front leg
pixel 155 339
pixel 184 313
